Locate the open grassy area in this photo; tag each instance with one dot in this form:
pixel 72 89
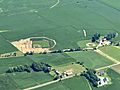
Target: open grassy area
pixel 75 83
pixel 115 78
pixel 5 46
pixel 91 59
pixel 43 44
pixel 112 51
pixel 74 67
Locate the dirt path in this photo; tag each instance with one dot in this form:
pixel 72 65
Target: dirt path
pixel 48 83
pixel 107 56
pixel 109 66
pixel 58 1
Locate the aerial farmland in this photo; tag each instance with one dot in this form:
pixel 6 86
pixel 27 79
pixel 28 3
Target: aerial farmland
pixel 59 44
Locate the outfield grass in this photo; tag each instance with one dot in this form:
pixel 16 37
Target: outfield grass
pixel 25 80
pixel 91 59
pixel 76 83
pixel 43 44
pixel 111 51
pixel 115 78
pixel 5 46
pixel 5 63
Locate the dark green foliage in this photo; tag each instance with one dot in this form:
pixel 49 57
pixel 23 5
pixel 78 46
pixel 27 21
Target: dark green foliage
pixel 91 76
pixel 110 36
pixel 95 37
pixel 36 67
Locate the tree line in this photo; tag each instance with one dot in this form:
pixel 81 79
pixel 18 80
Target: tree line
pixel 34 67
pixel 91 76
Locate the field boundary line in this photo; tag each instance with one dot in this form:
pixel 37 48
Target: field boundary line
pixel 58 1
pixel 107 56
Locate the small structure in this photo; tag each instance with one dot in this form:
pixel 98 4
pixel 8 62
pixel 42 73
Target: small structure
pixel 68 72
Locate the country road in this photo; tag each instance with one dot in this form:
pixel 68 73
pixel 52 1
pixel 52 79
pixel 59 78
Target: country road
pixel 48 83
pixel 107 56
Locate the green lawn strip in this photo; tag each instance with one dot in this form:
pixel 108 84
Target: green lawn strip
pixel 111 51
pixel 91 59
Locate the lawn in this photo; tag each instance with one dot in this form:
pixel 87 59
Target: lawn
pixel 115 77
pixel 112 51
pixel 75 83
pixel 75 67
pixel 91 59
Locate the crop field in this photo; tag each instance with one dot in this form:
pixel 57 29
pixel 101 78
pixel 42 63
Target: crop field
pixel 63 21
pixel 5 46
pixel 112 51
pixel 7 83
pixel 53 59
pixel 10 62
pixel 115 77
pixel 91 59
pixel 25 80
pixel 69 84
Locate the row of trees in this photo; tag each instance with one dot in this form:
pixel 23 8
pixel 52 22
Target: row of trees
pixel 91 76
pixel 34 67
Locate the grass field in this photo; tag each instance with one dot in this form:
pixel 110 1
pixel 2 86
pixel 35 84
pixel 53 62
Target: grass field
pixel 111 51
pixel 75 83
pixel 91 59
pixel 115 77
